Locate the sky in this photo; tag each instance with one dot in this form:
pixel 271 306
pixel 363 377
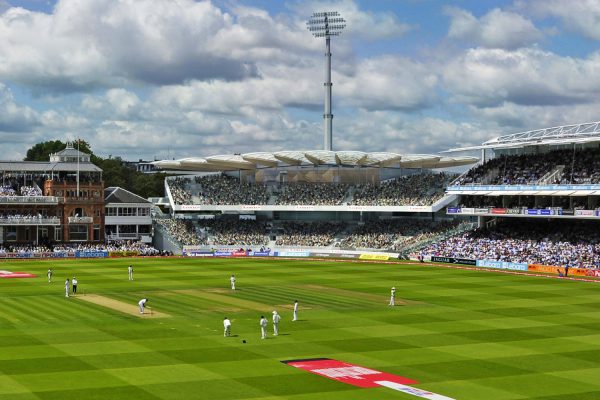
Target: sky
pixel 158 79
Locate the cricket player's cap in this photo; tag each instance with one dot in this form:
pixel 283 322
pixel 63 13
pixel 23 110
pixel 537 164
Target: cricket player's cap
pixel 274 312
pixel 394 287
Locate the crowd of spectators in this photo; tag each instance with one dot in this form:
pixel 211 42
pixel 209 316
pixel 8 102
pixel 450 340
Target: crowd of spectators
pixel 580 167
pixel 318 234
pixel 414 190
pixel 179 192
pixel 123 246
pixel 24 249
pixel 227 232
pixel 15 190
pixel 576 243
pixel 420 189
pixel 182 231
pixel 30 191
pixel 304 193
pixel 393 234
pixel 224 189
pixel 584 168
pixel 7 190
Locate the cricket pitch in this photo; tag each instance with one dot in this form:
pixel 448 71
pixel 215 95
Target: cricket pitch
pixel 131 309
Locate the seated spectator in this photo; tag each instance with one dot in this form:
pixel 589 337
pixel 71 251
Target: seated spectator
pixel 321 194
pixel 415 190
pixel 310 234
pixel 533 242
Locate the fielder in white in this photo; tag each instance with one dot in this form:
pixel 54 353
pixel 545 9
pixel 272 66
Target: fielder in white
pixel 263 327
pixel 49 275
pixel 226 327
pixel 276 319
pixel 393 297
pixel 130 271
pixel 232 280
pixel 67 287
pixel 295 311
pixel 142 304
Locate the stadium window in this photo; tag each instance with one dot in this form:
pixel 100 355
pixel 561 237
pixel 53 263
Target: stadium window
pixel 78 233
pixel 11 233
pixel 96 233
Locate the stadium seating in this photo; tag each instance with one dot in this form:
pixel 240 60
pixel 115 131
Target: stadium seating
pixel 537 242
pixel 416 190
pixel 311 234
pixel 576 167
pixel 420 189
pixel 323 194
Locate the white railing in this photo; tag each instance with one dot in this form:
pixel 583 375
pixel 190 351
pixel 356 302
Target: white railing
pixel 81 220
pixel 29 199
pixel 29 221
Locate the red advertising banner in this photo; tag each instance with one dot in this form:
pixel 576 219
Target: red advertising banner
pixel 593 272
pixel 348 373
pixel 9 274
pixel 498 210
pixel 552 269
pixel 362 377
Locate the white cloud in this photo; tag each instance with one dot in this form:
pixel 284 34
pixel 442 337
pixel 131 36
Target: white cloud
pixel 15 117
pixel 104 42
pixel 496 29
pixel 582 16
pixel 488 77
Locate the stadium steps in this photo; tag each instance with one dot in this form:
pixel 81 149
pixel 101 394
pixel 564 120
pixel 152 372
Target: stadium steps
pixel 349 195
pixel 551 176
pixel 444 202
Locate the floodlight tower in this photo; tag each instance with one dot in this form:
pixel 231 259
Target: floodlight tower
pixel 327 24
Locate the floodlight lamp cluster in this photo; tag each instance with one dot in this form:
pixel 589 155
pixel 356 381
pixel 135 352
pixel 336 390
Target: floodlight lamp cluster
pixel 326 24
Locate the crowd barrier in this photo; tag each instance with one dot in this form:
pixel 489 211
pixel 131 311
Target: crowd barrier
pixel 548 269
pixel 58 254
pixel 453 260
pixel 553 269
pixel 502 265
pixel 521 211
pixel 203 251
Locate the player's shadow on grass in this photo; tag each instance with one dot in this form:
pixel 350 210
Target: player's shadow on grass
pixel 283 334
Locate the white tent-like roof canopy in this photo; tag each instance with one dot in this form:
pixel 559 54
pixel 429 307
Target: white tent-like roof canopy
pixel 251 161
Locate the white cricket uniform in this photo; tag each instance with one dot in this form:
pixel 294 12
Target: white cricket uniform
pixel 130 271
pixel 263 328
pixel 226 327
pixel 232 280
pixel 49 275
pixel 393 297
pixel 142 304
pixel 295 311
pixel 276 319
pixel 67 288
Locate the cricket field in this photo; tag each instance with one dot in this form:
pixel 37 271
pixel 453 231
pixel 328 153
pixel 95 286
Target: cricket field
pixel 463 334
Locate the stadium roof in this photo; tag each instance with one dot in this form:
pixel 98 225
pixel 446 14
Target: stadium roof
pixel 251 161
pixel 44 166
pixel 588 132
pixel 115 194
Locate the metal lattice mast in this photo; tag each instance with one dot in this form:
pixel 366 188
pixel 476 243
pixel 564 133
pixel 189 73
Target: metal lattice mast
pixel 327 24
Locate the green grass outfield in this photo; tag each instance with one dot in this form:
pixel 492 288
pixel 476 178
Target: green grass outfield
pixel 463 334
